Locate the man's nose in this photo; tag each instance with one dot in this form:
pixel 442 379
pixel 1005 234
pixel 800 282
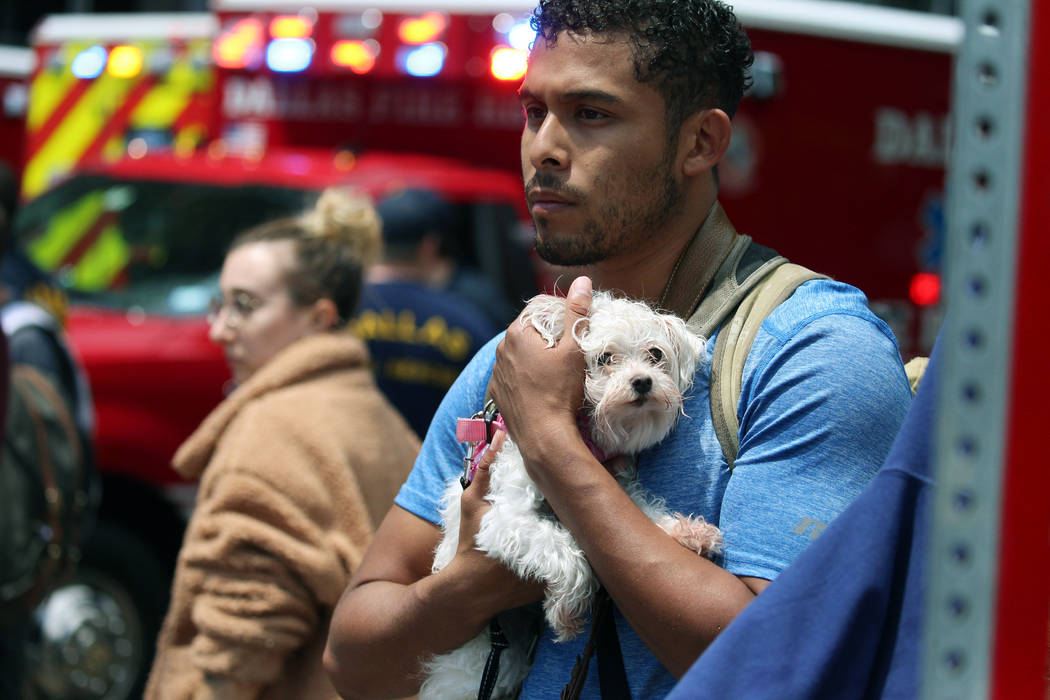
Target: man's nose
pixel 547 147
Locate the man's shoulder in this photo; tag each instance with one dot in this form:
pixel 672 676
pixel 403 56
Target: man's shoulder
pixel 825 326
pixel 818 299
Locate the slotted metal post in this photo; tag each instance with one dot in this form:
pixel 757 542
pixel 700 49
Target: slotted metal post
pixel 989 566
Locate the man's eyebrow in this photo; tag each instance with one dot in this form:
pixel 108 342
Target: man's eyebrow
pixel 577 96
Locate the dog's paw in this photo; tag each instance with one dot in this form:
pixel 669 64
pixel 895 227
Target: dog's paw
pixel 694 533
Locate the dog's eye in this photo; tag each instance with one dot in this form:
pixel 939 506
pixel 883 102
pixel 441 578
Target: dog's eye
pixel 604 359
pixel 655 355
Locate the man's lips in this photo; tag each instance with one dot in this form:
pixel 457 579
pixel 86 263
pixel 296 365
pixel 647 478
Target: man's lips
pixel 545 201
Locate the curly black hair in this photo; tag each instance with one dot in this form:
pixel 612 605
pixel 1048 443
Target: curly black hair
pixel 693 52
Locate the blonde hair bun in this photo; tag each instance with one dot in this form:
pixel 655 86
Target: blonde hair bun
pixel 347 217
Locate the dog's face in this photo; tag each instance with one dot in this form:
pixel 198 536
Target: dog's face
pixel 639 365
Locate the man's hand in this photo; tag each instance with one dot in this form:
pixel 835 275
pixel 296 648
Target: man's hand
pixel 486 571
pixel 539 389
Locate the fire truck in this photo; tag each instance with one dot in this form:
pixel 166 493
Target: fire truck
pixel 153 139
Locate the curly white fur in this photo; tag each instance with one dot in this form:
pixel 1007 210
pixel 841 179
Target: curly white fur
pixel 639 365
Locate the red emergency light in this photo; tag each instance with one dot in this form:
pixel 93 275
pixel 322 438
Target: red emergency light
pixel 925 289
pixel 358 56
pixel 241 45
pixel 508 63
pixel 422 30
pixel 291 27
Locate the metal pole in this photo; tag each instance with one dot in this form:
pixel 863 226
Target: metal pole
pixel 989 563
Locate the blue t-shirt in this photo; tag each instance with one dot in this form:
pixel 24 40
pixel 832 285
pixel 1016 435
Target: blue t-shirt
pixel 823 394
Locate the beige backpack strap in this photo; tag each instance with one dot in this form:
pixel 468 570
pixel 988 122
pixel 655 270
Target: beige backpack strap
pixel 734 343
pixel 734 279
pixel 699 263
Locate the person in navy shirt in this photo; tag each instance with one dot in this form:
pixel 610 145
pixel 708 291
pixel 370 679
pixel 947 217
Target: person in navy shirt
pixel 419 333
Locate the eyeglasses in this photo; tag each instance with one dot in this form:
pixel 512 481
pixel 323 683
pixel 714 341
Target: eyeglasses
pixel 238 308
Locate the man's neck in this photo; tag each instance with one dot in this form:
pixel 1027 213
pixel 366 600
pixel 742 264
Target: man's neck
pixel 643 273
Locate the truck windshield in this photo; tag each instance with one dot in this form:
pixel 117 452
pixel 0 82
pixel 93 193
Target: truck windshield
pixel 144 244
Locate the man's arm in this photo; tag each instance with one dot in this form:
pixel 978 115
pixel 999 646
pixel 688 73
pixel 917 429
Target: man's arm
pixel 395 613
pixel 676 601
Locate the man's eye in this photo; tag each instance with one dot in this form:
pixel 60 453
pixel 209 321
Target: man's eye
pixel 589 114
pixel 535 113
pixel 604 359
pixel 655 355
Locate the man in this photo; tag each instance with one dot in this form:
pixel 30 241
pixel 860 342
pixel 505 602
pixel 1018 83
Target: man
pixel 628 106
pixel 420 334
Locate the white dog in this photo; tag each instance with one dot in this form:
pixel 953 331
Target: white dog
pixel 639 364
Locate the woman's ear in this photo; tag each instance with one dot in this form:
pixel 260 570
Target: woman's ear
pixel 325 315
pixel 703 141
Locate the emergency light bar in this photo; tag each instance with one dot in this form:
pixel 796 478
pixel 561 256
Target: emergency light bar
pixel 384 38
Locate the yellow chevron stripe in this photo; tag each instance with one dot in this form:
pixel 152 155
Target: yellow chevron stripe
pixel 102 262
pixel 76 132
pixel 65 229
pixel 165 102
pixel 160 107
pixel 49 86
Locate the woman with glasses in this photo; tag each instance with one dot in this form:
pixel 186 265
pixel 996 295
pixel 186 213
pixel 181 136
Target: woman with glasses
pixel 296 466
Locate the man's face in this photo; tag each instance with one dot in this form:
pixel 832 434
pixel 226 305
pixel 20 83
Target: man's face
pixel 598 167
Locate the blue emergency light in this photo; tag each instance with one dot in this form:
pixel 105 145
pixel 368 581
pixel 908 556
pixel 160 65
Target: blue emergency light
pixel 90 62
pixel 289 55
pixel 521 36
pixel 422 61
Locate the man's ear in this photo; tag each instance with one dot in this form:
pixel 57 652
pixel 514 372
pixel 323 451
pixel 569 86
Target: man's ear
pixel 325 314
pixel 704 139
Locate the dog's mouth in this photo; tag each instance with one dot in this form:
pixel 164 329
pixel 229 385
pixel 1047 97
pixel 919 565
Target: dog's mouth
pixel 640 401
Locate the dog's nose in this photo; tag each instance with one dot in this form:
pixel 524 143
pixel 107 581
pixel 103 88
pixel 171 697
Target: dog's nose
pixel 642 385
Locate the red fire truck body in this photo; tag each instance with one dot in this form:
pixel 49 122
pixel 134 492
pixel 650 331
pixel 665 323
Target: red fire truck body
pixel 837 161
pixel 16 65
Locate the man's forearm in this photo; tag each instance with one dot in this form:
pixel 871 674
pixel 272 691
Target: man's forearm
pixel 382 631
pixel 675 600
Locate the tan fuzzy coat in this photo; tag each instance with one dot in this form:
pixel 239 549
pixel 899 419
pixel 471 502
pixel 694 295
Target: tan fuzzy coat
pixel 297 467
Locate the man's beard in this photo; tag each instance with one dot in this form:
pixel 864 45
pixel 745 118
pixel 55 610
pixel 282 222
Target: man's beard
pixel 620 225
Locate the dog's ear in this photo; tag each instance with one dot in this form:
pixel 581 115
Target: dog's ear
pixel 545 313
pixel 690 348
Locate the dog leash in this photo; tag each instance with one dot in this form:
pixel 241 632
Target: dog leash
pixel 603 639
